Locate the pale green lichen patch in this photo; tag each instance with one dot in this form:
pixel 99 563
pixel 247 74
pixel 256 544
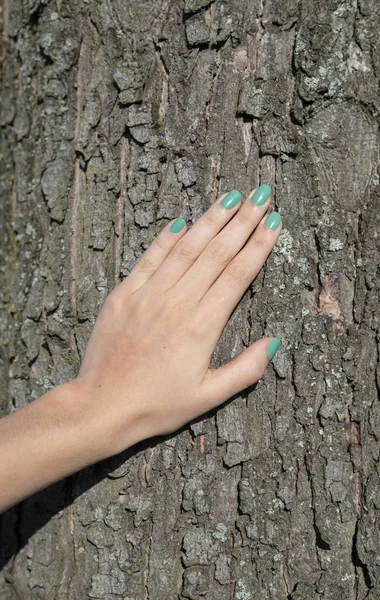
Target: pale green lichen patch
pixel 221 532
pixel 284 246
pixel 46 383
pixel 324 71
pixel 335 244
pixel 242 592
pixel 311 83
pixel 303 265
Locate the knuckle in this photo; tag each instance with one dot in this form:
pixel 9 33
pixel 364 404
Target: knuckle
pixel 161 244
pixel 238 271
pixel 216 252
pixel 262 241
pixel 244 218
pixel 146 265
pixel 195 329
pixel 114 302
pixel 211 217
pixel 185 252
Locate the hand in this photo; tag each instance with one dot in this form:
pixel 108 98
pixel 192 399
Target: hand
pixel 146 367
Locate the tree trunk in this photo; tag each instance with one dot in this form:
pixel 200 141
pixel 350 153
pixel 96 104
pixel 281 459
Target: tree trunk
pixel 118 116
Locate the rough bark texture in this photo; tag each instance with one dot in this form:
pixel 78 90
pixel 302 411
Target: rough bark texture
pixel 116 117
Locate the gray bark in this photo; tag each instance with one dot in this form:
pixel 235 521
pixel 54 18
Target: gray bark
pixel 117 117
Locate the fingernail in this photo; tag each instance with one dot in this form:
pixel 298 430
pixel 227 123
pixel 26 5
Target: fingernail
pixel 261 195
pixel 177 225
pixel 272 348
pixel 273 220
pixel 231 199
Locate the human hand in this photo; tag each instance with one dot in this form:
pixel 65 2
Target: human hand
pixel 146 367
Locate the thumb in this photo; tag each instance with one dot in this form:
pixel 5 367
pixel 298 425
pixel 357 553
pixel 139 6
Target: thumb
pixel 244 370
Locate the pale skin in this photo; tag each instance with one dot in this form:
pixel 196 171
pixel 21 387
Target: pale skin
pixel 146 369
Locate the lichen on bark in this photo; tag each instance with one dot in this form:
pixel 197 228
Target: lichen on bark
pixel 117 117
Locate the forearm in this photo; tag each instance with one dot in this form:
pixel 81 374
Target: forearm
pixel 46 441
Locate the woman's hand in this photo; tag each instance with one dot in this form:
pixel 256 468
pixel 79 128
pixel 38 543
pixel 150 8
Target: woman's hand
pixel 146 367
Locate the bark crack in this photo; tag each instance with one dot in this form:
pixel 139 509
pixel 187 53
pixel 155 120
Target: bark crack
pixel 74 226
pixel 120 207
pixel 212 87
pixel 217 173
pixel 147 558
pixel 358 564
pixel 4 33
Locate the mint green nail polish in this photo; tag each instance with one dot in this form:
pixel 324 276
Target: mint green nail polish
pixel 231 199
pixel 261 195
pixel 272 348
pixel 177 225
pixel 273 220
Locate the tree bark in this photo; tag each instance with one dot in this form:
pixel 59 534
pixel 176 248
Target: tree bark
pixel 117 117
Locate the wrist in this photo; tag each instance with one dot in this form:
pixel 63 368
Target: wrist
pixel 98 421
pixel 80 421
pixel 66 410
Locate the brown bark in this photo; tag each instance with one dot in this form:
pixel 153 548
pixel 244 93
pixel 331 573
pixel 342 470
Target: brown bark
pixel 116 117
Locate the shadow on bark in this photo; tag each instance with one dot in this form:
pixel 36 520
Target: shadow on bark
pixel 31 515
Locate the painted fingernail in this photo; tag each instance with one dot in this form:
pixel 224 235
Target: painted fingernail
pixel 272 348
pixel 273 220
pixel 177 225
pixel 261 195
pixel 231 199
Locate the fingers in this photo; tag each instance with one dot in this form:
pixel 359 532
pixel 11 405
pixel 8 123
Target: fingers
pixel 175 250
pixel 244 370
pixel 155 255
pixel 222 297
pixel 196 239
pixel 223 247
